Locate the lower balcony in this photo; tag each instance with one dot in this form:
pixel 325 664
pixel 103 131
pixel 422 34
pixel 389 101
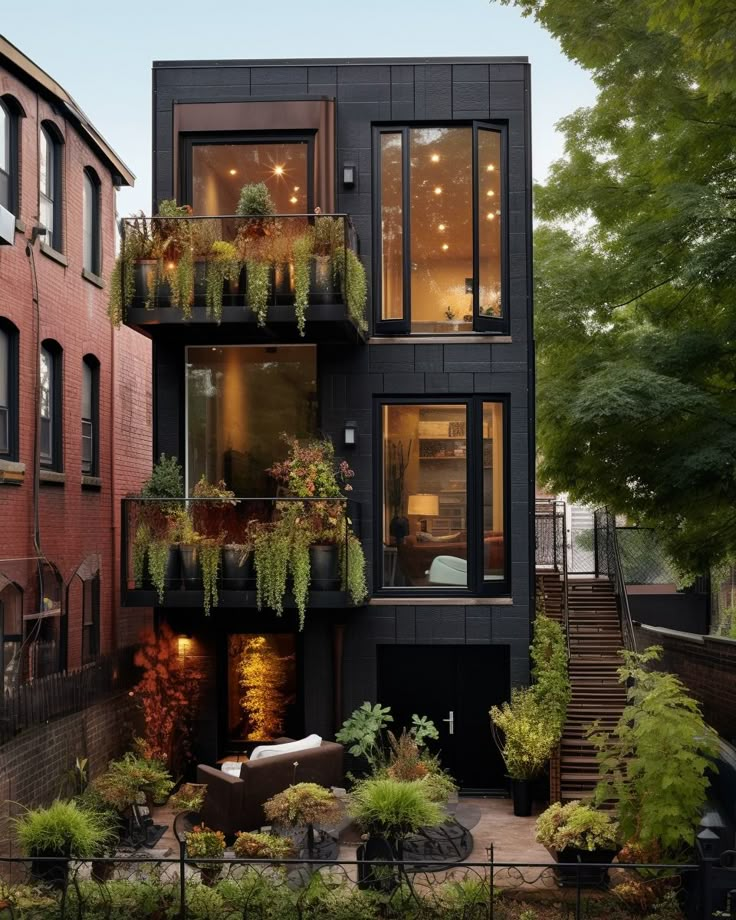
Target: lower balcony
pixel 223 553
pixel 281 277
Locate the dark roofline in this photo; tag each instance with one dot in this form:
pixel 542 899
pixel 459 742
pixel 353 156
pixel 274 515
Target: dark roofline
pixel 40 80
pixel 339 62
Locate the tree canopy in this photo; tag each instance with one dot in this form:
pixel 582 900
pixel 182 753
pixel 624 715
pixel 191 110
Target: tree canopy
pixel 635 263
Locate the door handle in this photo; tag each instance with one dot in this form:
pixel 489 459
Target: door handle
pixel 451 720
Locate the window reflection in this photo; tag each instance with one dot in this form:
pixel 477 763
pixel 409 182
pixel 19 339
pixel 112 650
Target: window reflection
pixel 392 228
pixel 493 511
pixel 489 223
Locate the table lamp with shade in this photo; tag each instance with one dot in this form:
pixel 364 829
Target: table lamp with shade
pixel 424 505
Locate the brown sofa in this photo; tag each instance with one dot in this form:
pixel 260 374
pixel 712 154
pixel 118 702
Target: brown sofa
pixel 415 558
pixel 235 803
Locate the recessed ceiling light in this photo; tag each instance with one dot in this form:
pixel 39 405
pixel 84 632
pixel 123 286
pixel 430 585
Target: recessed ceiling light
pixel 442 227
pixel 233 172
pixel 490 193
pixel 445 247
pixel 490 167
pixel 435 158
pixel 491 215
pixel 296 188
pixel 438 189
pixel 293 199
pixel 278 170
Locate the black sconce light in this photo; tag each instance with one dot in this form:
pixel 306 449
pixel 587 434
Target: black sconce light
pixel 351 434
pixel 348 175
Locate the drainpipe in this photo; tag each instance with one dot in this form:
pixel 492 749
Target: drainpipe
pixel 114 528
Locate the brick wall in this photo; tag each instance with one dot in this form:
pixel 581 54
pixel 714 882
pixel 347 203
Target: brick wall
pixel 34 766
pixel 706 665
pixel 75 520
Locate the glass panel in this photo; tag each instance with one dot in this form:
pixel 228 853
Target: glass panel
pixel 46 405
pixel 87 388
pixel 493 497
pixel 489 223
pixel 392 228
pixel 4 368
pixel 262 687
pixel 425 502
pixel 219 171
pixel 441 226
pixel 4 139
pixel 46 166
pixel 87 446
pixel 47 219
pixel 239 401
pixel 88 213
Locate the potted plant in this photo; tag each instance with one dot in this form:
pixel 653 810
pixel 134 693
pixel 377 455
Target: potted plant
pixel 256 205
pixel 256 845
pixel 223 277
pixel 328 239
pixel 102 864
pixel 237 562
pixel 206 844
pixel 302 253
pixel 136 245
pixel 578 833
pixel 204 537
pixel 302 806
pixel 54 835
pixel 525 736
pixel 154 552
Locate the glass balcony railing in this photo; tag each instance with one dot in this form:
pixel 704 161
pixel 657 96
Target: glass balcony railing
pixel 270 553
pixel 263 270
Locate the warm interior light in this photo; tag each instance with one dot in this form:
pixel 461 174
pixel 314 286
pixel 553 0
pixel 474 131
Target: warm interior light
pixel 490 215
pixel 233 172
pixel 293 199
pixel 278 170
pixel 490 167
pixel 435 158
pixel 170 266
pixel 445 247
pixel 441 227
pixel 296 188
pixel 490 193
pixel 184 645
pixel 438 189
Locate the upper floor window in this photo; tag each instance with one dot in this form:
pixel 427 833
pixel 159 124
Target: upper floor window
pixel 8 390
pixel 91 221
pixel 49 185
pixel 90 415
pixel 10 111
pixel 50 405
pixel 441 217
pixel 443 517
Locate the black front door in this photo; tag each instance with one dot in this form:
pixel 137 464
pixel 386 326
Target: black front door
pixel 455 686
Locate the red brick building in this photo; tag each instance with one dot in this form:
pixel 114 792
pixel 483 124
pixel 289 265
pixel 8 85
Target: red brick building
pixel 75 402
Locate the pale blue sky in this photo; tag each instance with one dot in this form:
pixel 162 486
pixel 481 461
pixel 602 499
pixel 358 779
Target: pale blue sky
pixel 102 54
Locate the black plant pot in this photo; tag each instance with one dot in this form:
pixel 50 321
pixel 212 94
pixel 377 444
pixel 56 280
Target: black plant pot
pixel 324 565
pixel 172 576
pixel 282 283
pixel 236 577
pixel 324 288
pixel 51 871
pixel 144 289
pixel 384 878
pixel 200 282
pixel 191 574
pixel 233 291
pixel 579 873
pixel 521 790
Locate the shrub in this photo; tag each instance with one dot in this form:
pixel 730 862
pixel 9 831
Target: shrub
pixel 302 804
pixel 132 775
pixel 655 761
pixel 549 670
pixel 63 829
pixel 203 842
pixel 166 480
pixel 262 846
pixel 576 825
pixel 393 809
pixel 528 734
pixel 255 201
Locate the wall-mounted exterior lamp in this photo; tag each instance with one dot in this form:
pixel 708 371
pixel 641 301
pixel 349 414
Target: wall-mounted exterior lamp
pixel 351 434
pixel 348 175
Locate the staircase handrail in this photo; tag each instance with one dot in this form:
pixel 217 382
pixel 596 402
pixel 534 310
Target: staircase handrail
pixel 616 574
pixel 565 617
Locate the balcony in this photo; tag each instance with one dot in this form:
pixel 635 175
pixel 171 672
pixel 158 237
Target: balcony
pixel 215 553
pixel 281 277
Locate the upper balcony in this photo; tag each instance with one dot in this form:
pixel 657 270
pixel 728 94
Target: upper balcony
pixel 282 277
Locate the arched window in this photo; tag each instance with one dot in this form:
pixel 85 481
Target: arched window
pixel 11 631
pixel 83 595
pixel 50 405
pixel 91 220
pixel 50 184
pixel 8 390
pixel 90 415
pixel 10 112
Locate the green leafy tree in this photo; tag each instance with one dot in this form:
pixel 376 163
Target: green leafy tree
pixel 636 275
pixel 654 764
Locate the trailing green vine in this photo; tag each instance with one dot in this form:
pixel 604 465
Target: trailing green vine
pixel 302 252
pixel 141 543
pixel 209 561
pixel 158 557
pixel 180 275
pixel 352 568
pixel 354 285
pixel 259 288
pixel 300 570
pixel 223 266
pixel 271 546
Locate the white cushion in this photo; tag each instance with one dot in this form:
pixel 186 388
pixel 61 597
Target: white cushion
pixel 231 768
pixel 288 747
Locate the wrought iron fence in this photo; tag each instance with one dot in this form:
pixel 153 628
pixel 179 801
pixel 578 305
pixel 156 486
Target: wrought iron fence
pixel 226 889
pixel 45 698
pixel 643 560
pixel 549 522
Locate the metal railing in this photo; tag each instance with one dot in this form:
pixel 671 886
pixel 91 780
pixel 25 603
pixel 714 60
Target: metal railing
pixel 229 260
pixel 643 560
pixel 231 527
pixel 608 565
pixel 551 548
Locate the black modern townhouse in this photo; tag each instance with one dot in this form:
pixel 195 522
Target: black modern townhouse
pixel 409 181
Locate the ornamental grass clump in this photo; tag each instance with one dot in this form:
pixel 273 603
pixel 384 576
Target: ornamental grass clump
pixel 524 733
pixel 393 809
pixel 577 825
pixel 63 829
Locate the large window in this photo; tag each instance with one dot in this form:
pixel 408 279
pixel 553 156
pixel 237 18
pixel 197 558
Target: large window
pixel 50 185
pixel 8 391
pixel 50 405
pixel 218 171
pixel 443 514
pixel 441 215
pixel 90 415
pixel 91 221
pixel 239 401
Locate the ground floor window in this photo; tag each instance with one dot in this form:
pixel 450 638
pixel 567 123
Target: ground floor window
pixel 11 631
pixel 262 686
pixel 239 401
pixel 443 495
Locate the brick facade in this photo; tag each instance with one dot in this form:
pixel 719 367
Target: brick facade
pixel 76 520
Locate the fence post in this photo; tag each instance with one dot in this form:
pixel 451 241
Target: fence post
pixel 708 846
pixel 182 881
pixel 491 887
